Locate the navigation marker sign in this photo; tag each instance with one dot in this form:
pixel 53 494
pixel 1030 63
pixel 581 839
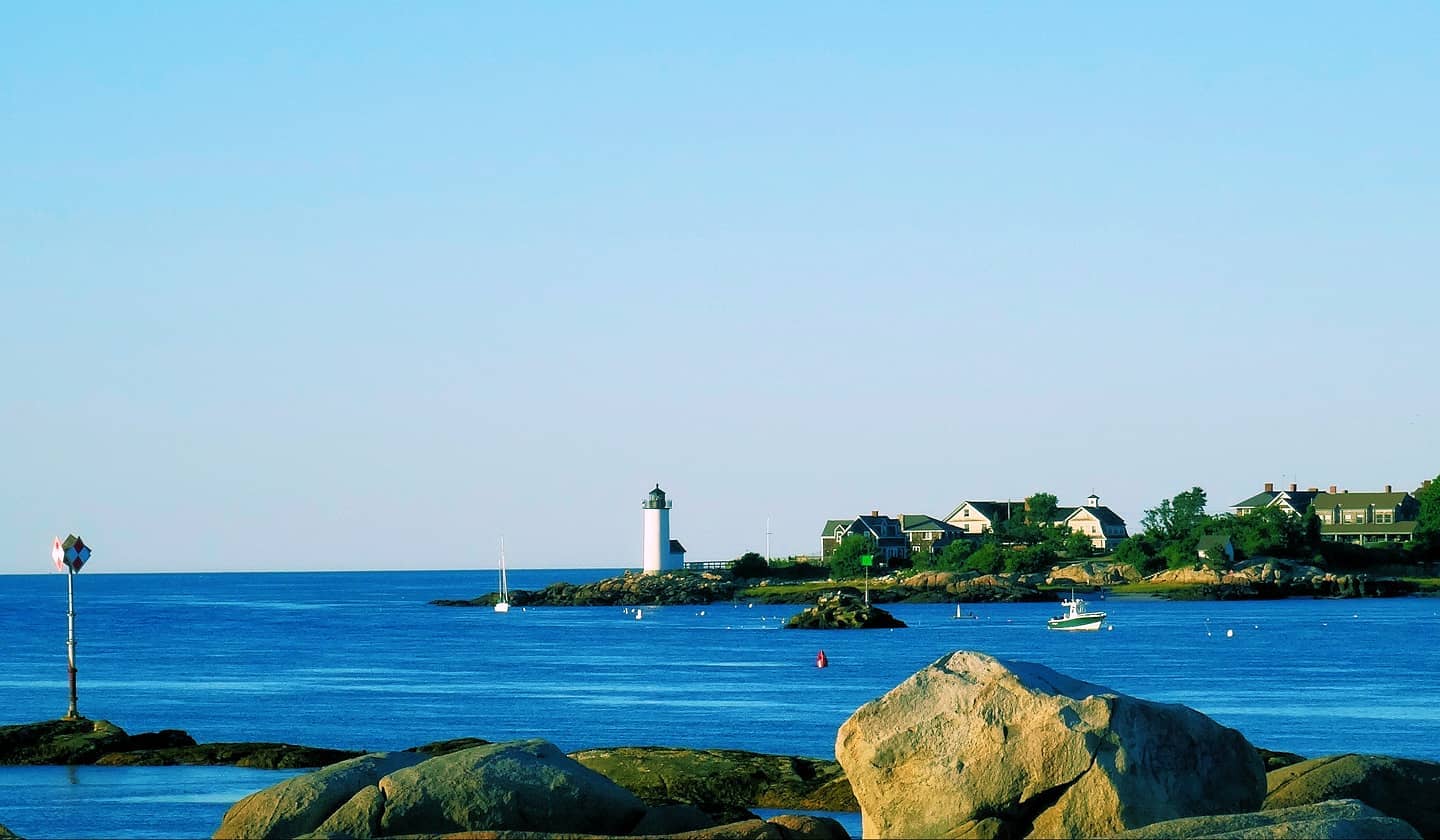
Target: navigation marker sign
pixel 70 555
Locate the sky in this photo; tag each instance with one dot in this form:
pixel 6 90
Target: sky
pixel 369 286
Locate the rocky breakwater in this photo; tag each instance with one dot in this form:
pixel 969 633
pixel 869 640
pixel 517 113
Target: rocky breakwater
pixel 100 742
pixel 520 786
pixel 630 589
pixel 1268 577
pixel 842 611
pixel 974 746
pixel 936 587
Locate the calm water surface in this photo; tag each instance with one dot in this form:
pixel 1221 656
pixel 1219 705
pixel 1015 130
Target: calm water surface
pixel 360 661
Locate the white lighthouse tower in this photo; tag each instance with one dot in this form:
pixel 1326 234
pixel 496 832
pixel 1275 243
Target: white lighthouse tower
pixel 657 533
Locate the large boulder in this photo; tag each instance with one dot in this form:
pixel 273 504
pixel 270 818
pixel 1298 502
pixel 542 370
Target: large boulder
pixel 1401 787
pixel 723 782
pixel 515 786
pixel 299 805
pixel 842 611
pixel 973 746
pixel 7 834
pixel 1344 819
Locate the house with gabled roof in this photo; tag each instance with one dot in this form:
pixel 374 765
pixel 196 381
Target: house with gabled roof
pixel 982 517
pixel 1292 500
pixel 1104 527
pixel 1361 518
pixel 890 541
pixel 926 534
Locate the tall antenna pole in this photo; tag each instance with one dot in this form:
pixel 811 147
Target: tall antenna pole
pixel 767 541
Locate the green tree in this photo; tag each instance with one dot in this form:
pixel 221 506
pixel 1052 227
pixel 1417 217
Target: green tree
pixel 749 565
pixel 1427 523
pixel 955 554
pixel 1178 517
pixel 1078 545
pixel 987 559
pixel 1142 552
pixel 845 562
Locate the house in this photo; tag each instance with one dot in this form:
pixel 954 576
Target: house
pixel 1214 548
pixel 926 534
pixel 1104 527
pixel 976 517
pixel 1361 518
pixel 890 541
pixel 1293 501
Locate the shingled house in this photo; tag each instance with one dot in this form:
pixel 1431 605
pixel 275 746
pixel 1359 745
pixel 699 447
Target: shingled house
pixel 886 532
pixel 1361 518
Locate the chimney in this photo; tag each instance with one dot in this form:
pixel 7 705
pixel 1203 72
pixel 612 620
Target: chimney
pixel 1269 487
pixel 1292 487
pixel 1332 490
pixel 1387 488
pixel 1312 489
pixel 874 513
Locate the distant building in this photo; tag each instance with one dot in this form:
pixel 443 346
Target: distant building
pixel 1215 549
pixel 1361 518
pixel 926 534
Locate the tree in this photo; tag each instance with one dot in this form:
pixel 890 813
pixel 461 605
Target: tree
pixel 845 562
pixel 1177 518
pixel 1427 522
pixel 1040 509
pixel 953 556
pixel 987 559
pixel 1078 545
pixel 1141 552
pixel 749 565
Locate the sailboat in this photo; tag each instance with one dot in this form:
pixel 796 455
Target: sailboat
pixel 503 605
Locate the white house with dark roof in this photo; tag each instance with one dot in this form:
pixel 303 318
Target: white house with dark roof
pixel 1104 527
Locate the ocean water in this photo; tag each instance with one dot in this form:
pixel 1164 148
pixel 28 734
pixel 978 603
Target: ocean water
pixel 361 661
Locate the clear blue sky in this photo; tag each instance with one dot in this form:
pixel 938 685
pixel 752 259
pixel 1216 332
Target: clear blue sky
pixel 338 285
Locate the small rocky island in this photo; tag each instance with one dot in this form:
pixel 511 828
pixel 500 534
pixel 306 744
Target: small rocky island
pixel 842 610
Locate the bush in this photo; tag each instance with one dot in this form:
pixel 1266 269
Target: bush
pixel 749 565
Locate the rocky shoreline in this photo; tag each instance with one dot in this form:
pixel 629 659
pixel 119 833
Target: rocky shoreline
pixel 1262 578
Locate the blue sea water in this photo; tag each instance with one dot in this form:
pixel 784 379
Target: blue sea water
pixel 362 661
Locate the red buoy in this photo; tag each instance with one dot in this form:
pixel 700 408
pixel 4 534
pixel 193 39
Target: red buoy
pixel 821 661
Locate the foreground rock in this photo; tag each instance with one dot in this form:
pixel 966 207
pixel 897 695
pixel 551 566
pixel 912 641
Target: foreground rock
pixel 842 611
pixel 723 783
pixel 259 755
pixel 630 589
pixel 521 786
pixel 79 741
pixel 1344 819
pixel 974 746
pixel 1401 787
pixel 6 834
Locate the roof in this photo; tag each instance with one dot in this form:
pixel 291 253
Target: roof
pixel 1351 501
pixel 676 547
pixel 1105 515
pixel 923 522
pixel 989 509
pixel 832 524
pixel 1260 499
pixel 1406 527
pixel 1210 541
pixel 1299 500
pixel 874 522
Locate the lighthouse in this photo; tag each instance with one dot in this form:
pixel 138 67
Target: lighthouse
pixel 658 557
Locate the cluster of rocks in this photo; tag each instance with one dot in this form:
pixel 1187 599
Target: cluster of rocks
pixel 520 786
pixel 83 741
pixel 1273 578
pixel 973 746
pixel 630 589
pixel 842 610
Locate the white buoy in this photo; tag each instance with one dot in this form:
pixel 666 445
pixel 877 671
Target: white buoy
pixel 1109 627
pixel 1229 634
pixel 639 614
